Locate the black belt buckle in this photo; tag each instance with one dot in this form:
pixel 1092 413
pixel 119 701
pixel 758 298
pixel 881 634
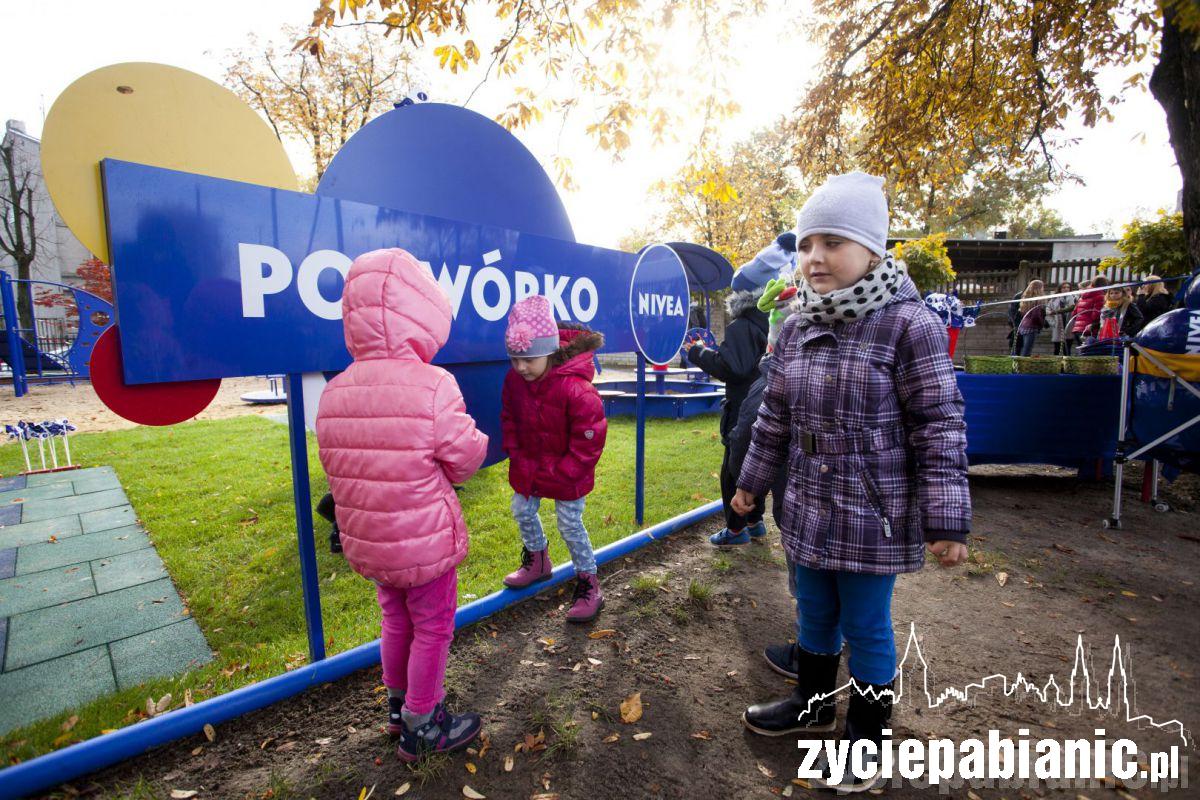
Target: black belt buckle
pixel 808 441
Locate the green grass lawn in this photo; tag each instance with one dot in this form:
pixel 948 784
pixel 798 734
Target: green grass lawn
pixel 216 499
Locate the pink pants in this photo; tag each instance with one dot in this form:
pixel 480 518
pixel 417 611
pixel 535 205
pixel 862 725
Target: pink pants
pixel 418 625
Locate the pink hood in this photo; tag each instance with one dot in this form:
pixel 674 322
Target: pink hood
pixel 393 431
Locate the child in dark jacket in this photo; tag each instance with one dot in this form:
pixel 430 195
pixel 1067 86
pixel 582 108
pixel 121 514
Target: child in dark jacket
pixel 736 363
pixel 553 429
pixel 862 404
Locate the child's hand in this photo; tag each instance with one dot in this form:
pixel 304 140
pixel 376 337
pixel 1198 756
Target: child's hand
pixel 742 502
pixel 950 554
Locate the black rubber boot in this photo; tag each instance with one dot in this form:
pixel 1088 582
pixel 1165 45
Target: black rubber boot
pixel 801 713
pixel 868 713
pixel 782 659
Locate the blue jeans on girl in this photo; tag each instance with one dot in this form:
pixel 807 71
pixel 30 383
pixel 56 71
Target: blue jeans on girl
pixel 833 605
pixel 570 527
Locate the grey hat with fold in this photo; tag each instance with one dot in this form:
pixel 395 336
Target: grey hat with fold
pixel 852 206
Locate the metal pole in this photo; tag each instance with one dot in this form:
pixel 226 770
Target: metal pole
pixel 16 356
pixel 639 504
pixel 1119 461
pixel 302 496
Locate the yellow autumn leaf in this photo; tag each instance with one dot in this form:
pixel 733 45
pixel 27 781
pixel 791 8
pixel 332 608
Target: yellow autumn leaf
pixel 631 708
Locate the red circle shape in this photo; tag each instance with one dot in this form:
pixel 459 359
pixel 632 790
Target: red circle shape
pixel 148 403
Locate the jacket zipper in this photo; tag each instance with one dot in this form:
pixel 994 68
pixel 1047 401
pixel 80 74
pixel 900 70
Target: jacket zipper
pixel 876 503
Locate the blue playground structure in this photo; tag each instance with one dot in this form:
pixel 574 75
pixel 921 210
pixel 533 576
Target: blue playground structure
pixel 49 351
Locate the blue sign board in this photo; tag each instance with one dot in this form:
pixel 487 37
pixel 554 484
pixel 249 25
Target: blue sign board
pixel 658 304
pixel 217 278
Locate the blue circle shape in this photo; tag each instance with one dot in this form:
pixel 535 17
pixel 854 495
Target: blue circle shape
pixel 446 161
pixel 658 304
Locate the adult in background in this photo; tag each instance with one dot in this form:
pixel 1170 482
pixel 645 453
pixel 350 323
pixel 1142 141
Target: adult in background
pixel 1087 310
pixel 1058 313
pixel 1153 299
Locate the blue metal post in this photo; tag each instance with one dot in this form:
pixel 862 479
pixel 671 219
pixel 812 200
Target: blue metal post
pixel 640 499
pixel 16 355
pixel 302 495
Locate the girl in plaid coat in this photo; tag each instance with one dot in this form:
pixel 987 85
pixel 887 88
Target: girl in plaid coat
pixel 863 408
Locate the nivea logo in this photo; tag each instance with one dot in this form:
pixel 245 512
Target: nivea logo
pixel 265 271
pixel 662 305
pixel 1193 339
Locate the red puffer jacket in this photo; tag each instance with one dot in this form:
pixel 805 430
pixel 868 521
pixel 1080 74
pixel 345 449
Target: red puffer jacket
pixel 553 429
pixel 1087 310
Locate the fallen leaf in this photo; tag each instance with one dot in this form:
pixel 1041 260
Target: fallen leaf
pixel 641 737
pixel 602 634
pixel 611 738
pixel 971 795
pixel 403 789
pixel 787 791
pixel 803 784
pixel 364 794
pixel 1007 604
pixel 472 794
pixel 731 673
pixel 546 781
pixel 70 722
pixel 595 716
pixel 162 704
pixel 508 763
pixel 198 751
pixel 323 741
pixel 544 796
pixel 1001 578
pixel 183 794
pixel 691 658
pixel 1128 593
pixel 631 708
pixel 765 770
pixel 187 698
pixel 704 735
pixel 595 662
pixel 471 768
pixel 210 732
pixel 107 730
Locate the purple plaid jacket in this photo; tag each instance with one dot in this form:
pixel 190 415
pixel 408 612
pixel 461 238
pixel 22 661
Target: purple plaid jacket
pixel 870 419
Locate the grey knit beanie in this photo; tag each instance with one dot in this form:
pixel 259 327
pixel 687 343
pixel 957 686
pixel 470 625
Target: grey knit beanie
pixel 850 205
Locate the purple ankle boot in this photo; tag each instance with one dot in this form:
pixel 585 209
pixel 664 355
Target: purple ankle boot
pixel 588 599
pixel 535 567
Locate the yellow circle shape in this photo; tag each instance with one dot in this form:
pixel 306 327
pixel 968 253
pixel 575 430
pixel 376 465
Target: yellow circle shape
pixel 150 114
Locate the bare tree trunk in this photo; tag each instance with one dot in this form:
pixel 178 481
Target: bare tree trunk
pixel 1175 83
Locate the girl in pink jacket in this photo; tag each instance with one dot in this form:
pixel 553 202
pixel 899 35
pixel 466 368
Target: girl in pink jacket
pixel 394 435
pixel 553 427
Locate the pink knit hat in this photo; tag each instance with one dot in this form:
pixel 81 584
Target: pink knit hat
pixel 532 331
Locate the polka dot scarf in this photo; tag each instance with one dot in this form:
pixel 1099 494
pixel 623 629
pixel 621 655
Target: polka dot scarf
pixel 874 291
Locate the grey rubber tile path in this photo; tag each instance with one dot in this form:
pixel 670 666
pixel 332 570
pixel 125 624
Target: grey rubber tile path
pixel 86 604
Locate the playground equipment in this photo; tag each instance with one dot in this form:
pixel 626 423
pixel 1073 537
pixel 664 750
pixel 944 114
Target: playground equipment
pixel 212 249
pixel 272 395
pixel 49 348
pixel 1159 399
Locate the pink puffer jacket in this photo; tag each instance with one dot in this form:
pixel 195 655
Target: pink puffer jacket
pixel 393 430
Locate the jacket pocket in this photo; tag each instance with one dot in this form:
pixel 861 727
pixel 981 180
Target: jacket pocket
pixel 874 499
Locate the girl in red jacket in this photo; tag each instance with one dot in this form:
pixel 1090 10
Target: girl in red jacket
pixel 553 429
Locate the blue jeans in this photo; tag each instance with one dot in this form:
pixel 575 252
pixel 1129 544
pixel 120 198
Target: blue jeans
pixel 1028 340
pixel 832 604
pixel 570 527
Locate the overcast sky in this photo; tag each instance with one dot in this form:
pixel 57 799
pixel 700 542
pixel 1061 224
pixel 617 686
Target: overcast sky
pixel 1127 166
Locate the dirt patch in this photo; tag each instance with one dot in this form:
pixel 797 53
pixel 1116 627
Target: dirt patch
pixel 83 408
pixel 690 625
